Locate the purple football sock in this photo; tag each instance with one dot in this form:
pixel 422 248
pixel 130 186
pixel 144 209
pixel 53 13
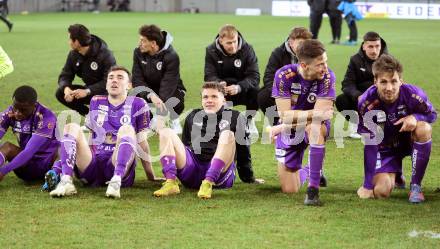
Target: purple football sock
pixel 420 159
pixel 2 159
pixel 125 155
pixel 57 167
pixel 169 168
pixel 304 174
pixel 316 159
pixel 214 170
pixel 68 154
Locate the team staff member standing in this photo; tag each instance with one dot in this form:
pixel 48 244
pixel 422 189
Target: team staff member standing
pixel 330 7
pixel 90 59
pixel 156 65
pixel 232 62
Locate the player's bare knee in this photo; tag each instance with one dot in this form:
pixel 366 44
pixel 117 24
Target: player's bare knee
pixel 126 130
pixel 423 132
pixel 382 190
pixel 289 188
pixel 165 133
pixel 227 137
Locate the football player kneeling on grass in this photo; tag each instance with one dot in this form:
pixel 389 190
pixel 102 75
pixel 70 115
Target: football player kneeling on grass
pixel 304 94
pixel 396 122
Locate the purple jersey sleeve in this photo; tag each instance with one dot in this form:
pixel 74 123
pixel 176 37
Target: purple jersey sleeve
pixel 89 117
pixel 282 82
pixel 34 144
pixel 422 107
pixel 327 89
pixel 141 114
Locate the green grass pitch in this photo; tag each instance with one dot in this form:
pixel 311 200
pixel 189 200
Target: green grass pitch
pixel 246 216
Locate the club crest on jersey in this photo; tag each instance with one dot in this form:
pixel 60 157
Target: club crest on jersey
pixel 159 65
pixel 125 119
pixel 311 98
pixel 94 66
pixel 295 88
pixel 237 63
pixel 223 124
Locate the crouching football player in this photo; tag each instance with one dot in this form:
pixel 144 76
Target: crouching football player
pixel 404 114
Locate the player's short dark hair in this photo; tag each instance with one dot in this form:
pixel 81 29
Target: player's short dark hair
pixel 152 33
pixel 309 50
pixel 25 94
pixel 371 36
pixel 300 33
pixel 214 85
pixel 119 68
pixel 80 33
pixel 387 64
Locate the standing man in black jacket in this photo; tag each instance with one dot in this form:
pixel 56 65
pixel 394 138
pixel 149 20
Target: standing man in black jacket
pixel 317 9
pixel 156 65
pixel 281 56
pixel 232 62
pixel 90 59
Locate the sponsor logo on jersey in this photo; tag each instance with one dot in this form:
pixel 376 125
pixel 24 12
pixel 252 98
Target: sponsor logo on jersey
pixel 103 108
pixel 401 110
pixel 381 117
pixel 295 88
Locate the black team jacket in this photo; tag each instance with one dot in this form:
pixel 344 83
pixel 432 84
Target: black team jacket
pixel 159 72
pixel 281 56
pixel 359 76
pixel 240 68
pixel 201 132
pixel 92 67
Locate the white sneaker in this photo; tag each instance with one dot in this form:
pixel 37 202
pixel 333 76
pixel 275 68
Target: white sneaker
pixel 175 126
pixel 64 188
pixel 114 187
pixel 355 135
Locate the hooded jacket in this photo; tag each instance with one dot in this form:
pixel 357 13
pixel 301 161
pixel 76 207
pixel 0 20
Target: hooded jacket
pixel 359 76
pixel 159 72
pixel 240 68
pixel 281 56
pixel 92 67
